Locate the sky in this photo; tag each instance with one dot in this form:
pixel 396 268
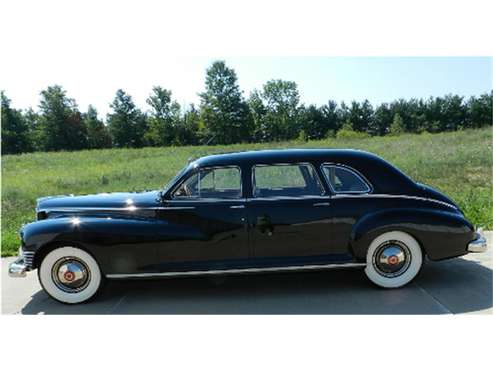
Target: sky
pixel 378 79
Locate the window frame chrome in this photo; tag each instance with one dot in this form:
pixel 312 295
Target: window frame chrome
pixel 285 197
pixel 350 169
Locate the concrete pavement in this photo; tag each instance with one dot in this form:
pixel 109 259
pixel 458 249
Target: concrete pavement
pixel 460 285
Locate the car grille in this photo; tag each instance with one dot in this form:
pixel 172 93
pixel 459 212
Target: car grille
pixel 28 258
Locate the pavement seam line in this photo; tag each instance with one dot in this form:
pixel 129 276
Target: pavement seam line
pixel 113 309
pixel 440 304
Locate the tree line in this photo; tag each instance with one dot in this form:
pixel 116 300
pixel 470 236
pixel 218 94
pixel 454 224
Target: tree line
pixel 225 116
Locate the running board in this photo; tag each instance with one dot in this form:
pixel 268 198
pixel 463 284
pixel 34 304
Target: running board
pixel 234 271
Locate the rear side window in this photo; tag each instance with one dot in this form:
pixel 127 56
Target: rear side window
pixel 293 180
pixel 219 183
pixel 344 180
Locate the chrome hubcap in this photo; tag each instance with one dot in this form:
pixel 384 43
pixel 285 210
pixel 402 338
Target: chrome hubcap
pixel 70 274
pixel 392 258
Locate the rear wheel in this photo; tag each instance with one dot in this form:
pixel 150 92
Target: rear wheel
pixel 393 259
pixel 70 275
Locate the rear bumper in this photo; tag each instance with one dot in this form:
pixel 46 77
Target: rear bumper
pixel 478 245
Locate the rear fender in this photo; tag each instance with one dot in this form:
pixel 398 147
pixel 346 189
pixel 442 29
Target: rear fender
pixel 440 234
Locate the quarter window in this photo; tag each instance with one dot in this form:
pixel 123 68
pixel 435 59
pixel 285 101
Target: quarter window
pixel 293 180
pixel 222 183
pixel 344 180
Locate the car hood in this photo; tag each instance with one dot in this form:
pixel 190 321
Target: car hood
pixel 103 200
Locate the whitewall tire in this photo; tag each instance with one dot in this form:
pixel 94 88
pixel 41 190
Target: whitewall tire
pixel 393 259
pixel 70 275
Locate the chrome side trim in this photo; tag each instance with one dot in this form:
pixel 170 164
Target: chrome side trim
pixel 235 271
pixel 338 196
pixel 115 209
pixel 285 197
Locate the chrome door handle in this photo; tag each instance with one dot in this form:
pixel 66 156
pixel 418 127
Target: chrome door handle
pixel 322 204
pixel 237 207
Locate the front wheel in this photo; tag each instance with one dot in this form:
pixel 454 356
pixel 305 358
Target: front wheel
pixel 70 275
pixel 393 259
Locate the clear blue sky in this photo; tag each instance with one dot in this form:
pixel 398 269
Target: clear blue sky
pixel 319 79
pixel 376 79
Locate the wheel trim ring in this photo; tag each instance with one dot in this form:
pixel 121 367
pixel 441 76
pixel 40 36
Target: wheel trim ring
pixel 63 262
pixel 385 245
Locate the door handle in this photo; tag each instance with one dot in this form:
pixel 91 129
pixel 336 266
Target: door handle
pixel 237 207
pixel 322 204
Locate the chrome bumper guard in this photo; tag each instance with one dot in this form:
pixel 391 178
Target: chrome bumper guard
pixel 22 264
pixel 478 245
pixel 18 268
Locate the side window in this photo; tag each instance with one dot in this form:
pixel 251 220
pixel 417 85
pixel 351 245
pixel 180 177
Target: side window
pixel 224 183
pixel 285 180
pixel 344 180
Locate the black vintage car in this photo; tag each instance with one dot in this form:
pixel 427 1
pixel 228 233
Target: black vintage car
pixel 273 210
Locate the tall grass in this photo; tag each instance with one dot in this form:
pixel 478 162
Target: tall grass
pixel 457 163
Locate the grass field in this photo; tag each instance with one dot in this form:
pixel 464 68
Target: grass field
pixel 458 163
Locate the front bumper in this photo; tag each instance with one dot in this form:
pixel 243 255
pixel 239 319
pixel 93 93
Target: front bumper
pixel 18 268
pixel 479 244
pixel 22 264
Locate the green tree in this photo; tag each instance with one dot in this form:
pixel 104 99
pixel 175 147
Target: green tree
pixel 223 110
pixel 480 110
pixel 397 126
pixel 60 122
pixel 98 135
pixel 33 120
pixel 361 116
pixel 126 123
pixel 382 119
pixel 164 118
pixel 281 99
pixel 258 112
pixel 15 130
pixel 454 112
pixel 187 128
pixel 332 117
pixel 314 123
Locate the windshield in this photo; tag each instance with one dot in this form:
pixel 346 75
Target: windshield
pixel 174 179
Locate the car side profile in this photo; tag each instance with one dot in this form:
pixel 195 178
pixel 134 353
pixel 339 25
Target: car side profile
pixel 246 212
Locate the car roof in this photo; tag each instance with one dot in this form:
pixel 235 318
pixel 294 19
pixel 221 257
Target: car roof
pixel 280 156
pixel 384 177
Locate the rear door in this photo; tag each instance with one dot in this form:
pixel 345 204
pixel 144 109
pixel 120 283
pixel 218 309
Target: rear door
pixel 289 214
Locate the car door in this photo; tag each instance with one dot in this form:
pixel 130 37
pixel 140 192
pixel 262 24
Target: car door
pixel 349 201
pixel 289 214
pixel 206 222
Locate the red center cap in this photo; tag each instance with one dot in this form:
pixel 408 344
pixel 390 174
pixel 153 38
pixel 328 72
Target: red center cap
pixel 69 276
pixel 393 260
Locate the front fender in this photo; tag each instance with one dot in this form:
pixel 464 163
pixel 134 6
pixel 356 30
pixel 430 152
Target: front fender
pixel 127 243
pixel 441 234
